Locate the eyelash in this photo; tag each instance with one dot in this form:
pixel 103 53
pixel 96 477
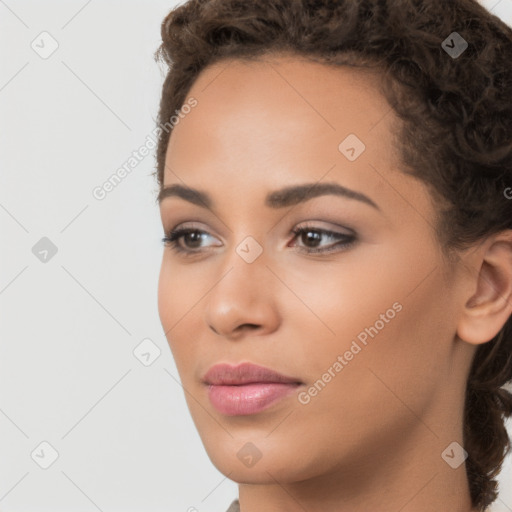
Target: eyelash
pixel 172 239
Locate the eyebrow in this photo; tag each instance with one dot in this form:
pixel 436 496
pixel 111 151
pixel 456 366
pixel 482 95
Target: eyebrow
pixel 284 197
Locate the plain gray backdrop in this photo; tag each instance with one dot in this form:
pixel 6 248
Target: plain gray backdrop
pixel 92 415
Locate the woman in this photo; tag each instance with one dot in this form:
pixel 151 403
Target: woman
pixel 335 184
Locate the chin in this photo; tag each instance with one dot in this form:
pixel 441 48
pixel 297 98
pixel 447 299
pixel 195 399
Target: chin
pixel 261 461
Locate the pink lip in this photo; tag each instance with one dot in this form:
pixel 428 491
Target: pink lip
pixel 246 388
pixel 248 398
pixel 244 373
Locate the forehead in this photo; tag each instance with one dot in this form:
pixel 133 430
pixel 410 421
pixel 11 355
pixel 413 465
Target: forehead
pixel 278 76
pixel 292 92
pixel 280 101
pixel 284 120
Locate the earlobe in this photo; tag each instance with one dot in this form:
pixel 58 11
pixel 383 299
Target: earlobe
pixel 488 309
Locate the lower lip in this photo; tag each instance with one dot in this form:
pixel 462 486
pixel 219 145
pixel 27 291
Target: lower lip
pixel 249 398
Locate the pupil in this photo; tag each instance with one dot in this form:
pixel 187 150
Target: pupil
pixel 196 235
pixel 316 236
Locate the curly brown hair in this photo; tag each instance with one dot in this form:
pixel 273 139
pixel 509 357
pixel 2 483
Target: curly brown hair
pixel 456 133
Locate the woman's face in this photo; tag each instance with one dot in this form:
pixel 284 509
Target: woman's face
pixel 367 329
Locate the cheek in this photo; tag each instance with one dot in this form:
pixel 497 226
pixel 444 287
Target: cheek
pixel 182 292
pixel 349 299
pixel 179 289
pixel 366 401
pixel 165 296
pixel 375 310
pixel 175 299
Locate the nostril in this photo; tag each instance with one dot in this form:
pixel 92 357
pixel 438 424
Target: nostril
pixel 251 326
pixel 241 327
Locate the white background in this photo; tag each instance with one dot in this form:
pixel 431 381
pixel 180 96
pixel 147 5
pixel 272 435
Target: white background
pixel 68 327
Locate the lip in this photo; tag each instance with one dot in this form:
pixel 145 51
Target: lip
pixel 246 388
pixel 244 373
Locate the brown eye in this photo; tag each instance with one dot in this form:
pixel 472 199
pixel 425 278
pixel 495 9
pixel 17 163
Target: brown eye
pixel 191 237
pixel 312 238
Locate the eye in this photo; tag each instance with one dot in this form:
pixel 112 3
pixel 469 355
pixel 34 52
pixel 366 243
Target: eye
pixel 191 236
pixel 312 237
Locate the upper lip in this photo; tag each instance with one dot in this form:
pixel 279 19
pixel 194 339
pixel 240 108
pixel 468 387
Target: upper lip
pixel 244 373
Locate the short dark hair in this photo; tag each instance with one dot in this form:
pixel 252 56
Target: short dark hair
pixel 455 135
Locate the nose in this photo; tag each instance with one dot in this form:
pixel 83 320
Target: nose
pixel 242 299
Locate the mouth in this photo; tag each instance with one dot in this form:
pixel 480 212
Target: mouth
pixel 245 399
pixel 245 373
pixel 246 388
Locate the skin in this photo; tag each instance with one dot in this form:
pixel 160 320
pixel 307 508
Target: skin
pixel 372 438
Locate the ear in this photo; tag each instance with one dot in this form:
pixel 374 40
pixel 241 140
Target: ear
pixel 490 306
